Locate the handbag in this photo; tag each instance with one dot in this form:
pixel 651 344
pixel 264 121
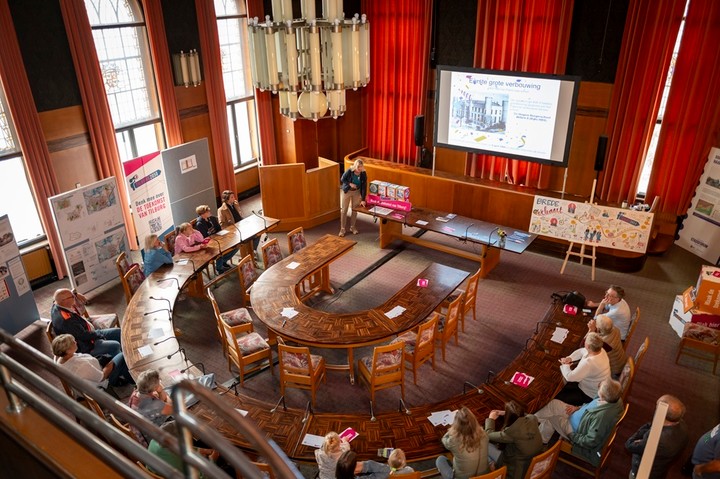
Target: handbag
pixel 573 298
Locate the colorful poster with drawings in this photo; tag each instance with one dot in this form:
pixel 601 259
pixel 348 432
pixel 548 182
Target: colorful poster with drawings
pixel 149 198
pixel 700 232
pixel 594 225
pixel 17 307
pixel 92 232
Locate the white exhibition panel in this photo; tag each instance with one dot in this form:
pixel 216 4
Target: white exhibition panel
pixel 17 303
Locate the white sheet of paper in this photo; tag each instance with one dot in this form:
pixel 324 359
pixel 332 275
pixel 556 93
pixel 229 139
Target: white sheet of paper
pixel 144 351
pixel 313 440
pixel 444 417
pixel 181 262
pixel 242 412
pixel 421 222
pixel 222 232
pixel 156 333
pixel 289 313
pixel 395 312
pixel 293 265
pixel 559 335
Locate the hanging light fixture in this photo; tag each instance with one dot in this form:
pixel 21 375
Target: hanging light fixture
pixel 310 61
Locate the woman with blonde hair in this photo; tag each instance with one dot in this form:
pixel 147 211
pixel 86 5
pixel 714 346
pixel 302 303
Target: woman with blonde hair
pixel 156 255
pixel 398 462
pixel 327 456
pixel 354 187
pixel 188 239
pixel 468 442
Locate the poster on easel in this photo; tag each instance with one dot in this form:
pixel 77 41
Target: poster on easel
pixel 92 232
pixel 149 196
pixel 591 224
pixel 700 233
pixel 17 303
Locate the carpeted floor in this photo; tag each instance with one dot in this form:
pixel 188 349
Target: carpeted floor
pixel 510 301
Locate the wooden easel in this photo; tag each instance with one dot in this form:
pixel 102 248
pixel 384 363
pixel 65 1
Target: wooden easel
pixel 581 254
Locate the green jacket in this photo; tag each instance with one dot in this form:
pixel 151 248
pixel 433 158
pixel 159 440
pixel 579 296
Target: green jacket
pixel 595 428
pixel 522 441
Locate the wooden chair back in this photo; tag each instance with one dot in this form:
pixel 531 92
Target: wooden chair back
pixel 543 465
pixel 50 332
pixel 640 354
pixel 633 324
pixel 471 296
pixel 122 427
pixel 700 342
pixel 424 345
pixel 147 471
pixel 296 240
pixel 448 326
pixel 219 322
pixel 407 475
pixel 500 473
pixel 626 377
pixel 299 369
pixel 265 469
pixel 234 336
pixel 169 239
pixel 247 274
pixel 386 370
pixel 131 276
pixel 271 253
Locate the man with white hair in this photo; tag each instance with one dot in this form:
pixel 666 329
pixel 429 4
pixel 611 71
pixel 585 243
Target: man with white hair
pixel 586 427
pixel 593 367
pixel 610 334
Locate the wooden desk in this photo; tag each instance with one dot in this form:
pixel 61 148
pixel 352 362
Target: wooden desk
pixel 276 289
pixel 481 233
pixel 149 309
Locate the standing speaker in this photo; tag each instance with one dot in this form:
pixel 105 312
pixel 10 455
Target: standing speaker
pixel 601 151
pixel 419 130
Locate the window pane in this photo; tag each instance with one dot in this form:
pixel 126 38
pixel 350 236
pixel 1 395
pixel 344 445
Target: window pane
pixel 245 131
pixel 110 12
pixel 7 133
pixel 17 201
pixel 233 36
pixel 224 8
pixel 146 140
pixel 233 131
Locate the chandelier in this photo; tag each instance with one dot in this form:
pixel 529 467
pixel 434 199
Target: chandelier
pixel 310 61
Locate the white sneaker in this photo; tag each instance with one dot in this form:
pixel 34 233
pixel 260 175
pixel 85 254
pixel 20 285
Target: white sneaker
pixel 342 232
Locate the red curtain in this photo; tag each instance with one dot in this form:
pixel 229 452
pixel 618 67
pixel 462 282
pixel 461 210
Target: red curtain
pixel 29 130
pixel 95 104
pixel 691 121
pixel 163 71
pixel 215 91
pixel 399 62
pixel 650 31
pixel 263 104
pixel 528 36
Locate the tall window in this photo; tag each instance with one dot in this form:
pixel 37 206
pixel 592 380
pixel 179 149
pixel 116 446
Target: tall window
pixel 122 47
pixel 235 57
pixel 650 155
pixel 16 199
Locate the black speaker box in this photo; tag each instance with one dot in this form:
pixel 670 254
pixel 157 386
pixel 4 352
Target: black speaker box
pixel 419 131
pixel 601 152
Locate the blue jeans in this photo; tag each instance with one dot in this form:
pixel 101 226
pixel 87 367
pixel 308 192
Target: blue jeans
pixel 444 467
pixel 110 345
pixel 120 370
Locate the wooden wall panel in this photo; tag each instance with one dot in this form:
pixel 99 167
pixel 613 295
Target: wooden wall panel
pixel 282 189
pixel 323 192
pixel 247 179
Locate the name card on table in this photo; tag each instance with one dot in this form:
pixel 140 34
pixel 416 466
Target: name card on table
pixel 521 379
pixel 395 312
pixel 313 440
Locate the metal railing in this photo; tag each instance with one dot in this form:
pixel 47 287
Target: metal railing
pixel 117 449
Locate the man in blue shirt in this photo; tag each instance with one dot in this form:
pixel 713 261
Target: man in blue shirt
pixel 706 456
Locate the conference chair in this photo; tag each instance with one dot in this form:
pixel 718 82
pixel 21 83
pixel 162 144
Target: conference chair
pixel 448 324
pixel 265 469
pixel 700 342
pixel 567 457
pixel 408 475
pixel 246 350
pixel 640 354
pixel 296 240
pixel 543 465
pixel 50 332
pixel 496 474
pixel 122 427
pixel 247 274
pixel 300 369
pixel 633 324
pixel 235 317
pixel 131 275
pixel 98 321
pixel 420 345
pixel 384 369
pixel 468 304
pixel 169 240
pixel 271 253
pixel 626 377
pixel 147 471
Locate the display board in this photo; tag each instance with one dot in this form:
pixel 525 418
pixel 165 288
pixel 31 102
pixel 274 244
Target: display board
pixel 149 196
pixel 590 224
pixel 700 231
pixel 91 228
pixel 17 303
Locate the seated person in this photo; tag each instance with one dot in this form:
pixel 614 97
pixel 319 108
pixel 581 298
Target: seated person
pixel 150 400
pixel 673 439
pixel 615 306
pixel 208 225
pixel 593 367
pixel 398 463
pixel 66 320
pixel 468 442
pixel 170 457
pixel 519 434
pixel 610 334
pixel 188 239
pixel 706 456
pixel 327 455
pixel 156 255
pixel 587 427
pixel 348 467
pixel 84 366
pixel 229 213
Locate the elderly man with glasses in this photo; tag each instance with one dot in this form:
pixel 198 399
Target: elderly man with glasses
pixel 616 308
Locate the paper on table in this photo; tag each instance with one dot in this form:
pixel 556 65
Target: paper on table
pixel 181 262
pixel 156 333
pixel 289 313
pixel 395 312
pixel 521 379
pixel 145 351
pixel 442 219
pixel 313 440
pixel 242 412
pixel 559 335
pixel 379 210
pixel 222 232
pixel 421 222
pixel 349 434
pixel 450 215
pixel 293 265
pixel 444 417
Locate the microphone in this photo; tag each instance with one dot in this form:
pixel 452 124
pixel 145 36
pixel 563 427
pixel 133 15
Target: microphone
pixel 468 383
pixel 263 218
pixel 277 405
pixel 540 346
pixel 218 244
pixel 163 340
pixel 158 310
pixel 308 411
pixel 180 350
pixel 237 227
pixel 537 326
pixel 165 299
pixel 189 261
pixel 467 230
pixel 202 368
pixel 171 278
pixel 490 243
pixel 145 364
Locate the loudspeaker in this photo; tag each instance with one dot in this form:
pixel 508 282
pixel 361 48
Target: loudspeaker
pixel 600 154
pixel 419 131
